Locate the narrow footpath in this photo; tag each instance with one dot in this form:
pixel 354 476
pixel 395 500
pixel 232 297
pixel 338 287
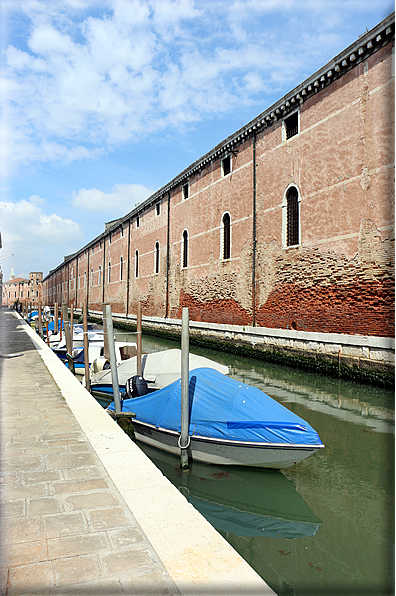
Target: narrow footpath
pixel 83 510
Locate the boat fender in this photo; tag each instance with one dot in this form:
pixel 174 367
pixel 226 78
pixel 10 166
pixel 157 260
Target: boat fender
pixel 136 386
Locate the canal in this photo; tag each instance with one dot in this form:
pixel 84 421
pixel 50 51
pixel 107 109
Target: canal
pixel 324 526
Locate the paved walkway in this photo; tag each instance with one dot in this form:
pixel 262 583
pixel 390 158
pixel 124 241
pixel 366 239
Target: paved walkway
pixel 83 511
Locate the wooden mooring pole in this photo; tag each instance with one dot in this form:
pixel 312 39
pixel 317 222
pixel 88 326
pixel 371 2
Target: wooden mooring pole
pixel 139 339
pixel 113 360
pixel 69 343
pixel 184 440
pixel 86 347
pixel 56 310
pixel 40 321
pixel 106 353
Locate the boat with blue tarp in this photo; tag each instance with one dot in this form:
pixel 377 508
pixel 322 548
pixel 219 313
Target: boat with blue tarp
pixel 230 423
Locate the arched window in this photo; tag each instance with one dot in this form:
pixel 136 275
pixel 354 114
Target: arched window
pixel 121 267
pixel 185 249
pixel 100 275
pixel 109 272
pixel 293 217
pixel 136 263
pixel 226 225
pixel 157 256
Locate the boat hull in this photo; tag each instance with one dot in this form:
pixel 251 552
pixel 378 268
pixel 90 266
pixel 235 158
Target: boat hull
pixel 225 452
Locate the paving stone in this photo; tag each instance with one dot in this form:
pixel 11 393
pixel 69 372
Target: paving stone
pixel 126 560
pixel 22 491
pixel 154 583
pixel 8 478
pixel 25 463
pixel 26 529
pixel 36 477
pixel 65 524
pixel 125 537
pixel 77 545
pixel 23 553
pixel 26 578
pixel 70 460
pixel 15 508
pixel 75 486
pixel 76 569
pixel 44 506
pixel 103 519
pixel 84 473
pixel 91 500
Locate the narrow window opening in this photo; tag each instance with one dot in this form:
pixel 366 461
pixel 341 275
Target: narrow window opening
pixel 226 236
pixel 92 277
pixel 226 163
pixel 293 220
pixel 185 191
pixel 158 209
pixel 138 222
pixel 109 272
pixel 291 125
pixel 185 248
pixel 136 263
pixel 100 275
pixel 157 256
pixel 121 268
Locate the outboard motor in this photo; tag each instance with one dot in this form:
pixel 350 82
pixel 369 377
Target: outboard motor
pixel 136 386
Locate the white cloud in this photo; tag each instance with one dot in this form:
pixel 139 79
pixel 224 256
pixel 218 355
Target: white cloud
pixel 82 76
pixel 38 239
pixel 117 203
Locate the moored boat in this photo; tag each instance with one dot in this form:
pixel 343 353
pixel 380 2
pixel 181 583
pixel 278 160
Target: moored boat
pixel 230 423
pixel 159 369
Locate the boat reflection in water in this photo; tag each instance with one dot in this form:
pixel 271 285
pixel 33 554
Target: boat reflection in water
pixel 242 501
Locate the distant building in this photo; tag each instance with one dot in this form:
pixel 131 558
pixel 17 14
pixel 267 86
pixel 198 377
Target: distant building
pixel 18 290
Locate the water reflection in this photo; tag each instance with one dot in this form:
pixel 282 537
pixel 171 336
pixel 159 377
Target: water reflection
pixel 242 501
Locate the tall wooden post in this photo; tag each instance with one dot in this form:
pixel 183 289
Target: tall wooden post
pixel 139 340
pixel 40 320
pixel 68 331
pixel 106 352
pixel 61 324
pixel 184 440
pixel 113 360
pixel 86 347
pixel 56 310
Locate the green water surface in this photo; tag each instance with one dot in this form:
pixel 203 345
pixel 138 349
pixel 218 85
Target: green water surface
pixel 326 525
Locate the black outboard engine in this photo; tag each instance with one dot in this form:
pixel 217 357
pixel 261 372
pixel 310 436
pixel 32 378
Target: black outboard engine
pixel 136 386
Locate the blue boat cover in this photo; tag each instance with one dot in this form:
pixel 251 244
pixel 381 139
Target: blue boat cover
pixel 221 407
pixel 51 325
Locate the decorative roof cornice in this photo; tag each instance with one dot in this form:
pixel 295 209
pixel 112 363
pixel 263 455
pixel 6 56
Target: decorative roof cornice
pixel 366 45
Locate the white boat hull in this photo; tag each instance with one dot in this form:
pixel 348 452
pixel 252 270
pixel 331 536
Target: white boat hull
pixel 225 452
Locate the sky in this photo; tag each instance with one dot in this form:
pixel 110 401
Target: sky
pixel 102 102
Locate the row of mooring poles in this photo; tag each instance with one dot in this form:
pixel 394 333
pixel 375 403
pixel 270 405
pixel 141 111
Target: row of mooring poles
pixel 110 354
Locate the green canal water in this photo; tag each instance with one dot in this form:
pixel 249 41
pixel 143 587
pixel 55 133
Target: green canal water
pixel 325 526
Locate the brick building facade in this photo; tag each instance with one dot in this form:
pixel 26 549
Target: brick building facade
pixel 288 223
pixel 18 290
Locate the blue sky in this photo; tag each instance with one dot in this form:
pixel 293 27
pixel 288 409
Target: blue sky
pixel 105 101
